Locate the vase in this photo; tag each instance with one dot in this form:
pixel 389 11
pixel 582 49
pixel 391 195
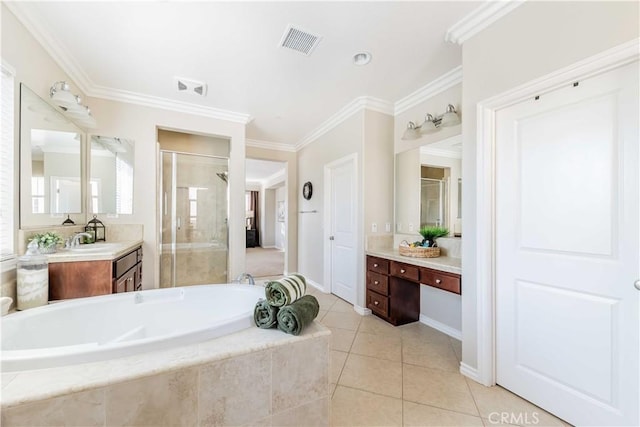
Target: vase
pixel 47 249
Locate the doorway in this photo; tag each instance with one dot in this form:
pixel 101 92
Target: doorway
pixel 266 222
pixel 341 210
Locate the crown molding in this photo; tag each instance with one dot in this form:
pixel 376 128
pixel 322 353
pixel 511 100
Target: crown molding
pixel 359 104
pixel 75 72
pixel 269 145
pixel 34 26
pixel 440 84
pixel 479 19
pixel 168 104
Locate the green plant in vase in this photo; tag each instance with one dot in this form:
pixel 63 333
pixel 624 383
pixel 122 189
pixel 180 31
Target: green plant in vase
pixel 47 242
pixel 430 234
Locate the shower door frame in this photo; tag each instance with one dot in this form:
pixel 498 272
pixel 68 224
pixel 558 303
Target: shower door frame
pixel 162 203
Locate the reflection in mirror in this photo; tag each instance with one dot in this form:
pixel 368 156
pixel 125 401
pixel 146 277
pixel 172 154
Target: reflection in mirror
pixel 50 162
pixel 428 186
pixel 111 171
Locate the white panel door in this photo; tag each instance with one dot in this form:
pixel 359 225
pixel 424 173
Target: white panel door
pixel 343 230
pixel 567 236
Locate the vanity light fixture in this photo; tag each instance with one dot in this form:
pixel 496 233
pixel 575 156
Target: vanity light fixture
pixel 432 124
pixel 71 105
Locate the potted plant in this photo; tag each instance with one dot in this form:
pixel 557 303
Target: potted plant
pixel 430 234
pixel 47 242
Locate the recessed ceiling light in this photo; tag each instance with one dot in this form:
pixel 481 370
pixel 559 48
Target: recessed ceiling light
pixel 362 58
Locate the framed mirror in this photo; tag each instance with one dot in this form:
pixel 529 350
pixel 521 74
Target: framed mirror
pixel 111 167
pixel 427 187
pixel 51 167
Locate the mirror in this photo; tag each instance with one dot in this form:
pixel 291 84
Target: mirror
pixel 110 188
pixel 51 150
pixel 428 187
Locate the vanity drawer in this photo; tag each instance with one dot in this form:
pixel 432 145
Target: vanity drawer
pixel 378 283
pixel 123 264
pixel 405 271
pixel 447 282
pixel 378 265
pixel 378 304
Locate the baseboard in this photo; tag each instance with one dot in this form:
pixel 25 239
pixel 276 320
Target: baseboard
pixel 361 310
pixel 317 286
pixel 445 329
pixel 469 372
pixel 269 247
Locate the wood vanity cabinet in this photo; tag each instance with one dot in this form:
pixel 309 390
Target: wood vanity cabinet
pixel 393 288
pixel 90 278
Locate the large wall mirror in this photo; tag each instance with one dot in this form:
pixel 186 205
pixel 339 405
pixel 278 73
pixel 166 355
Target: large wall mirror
pixel 51 167
pixel 428 187
pixel 110 189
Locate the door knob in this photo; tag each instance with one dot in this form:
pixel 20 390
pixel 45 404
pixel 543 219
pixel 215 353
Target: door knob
pixel 637 284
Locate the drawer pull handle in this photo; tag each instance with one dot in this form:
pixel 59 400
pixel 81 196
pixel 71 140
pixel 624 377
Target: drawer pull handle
pixel 375 265
pixel 438 281
pixel 376 302
pixel 402 270
pixel 375 282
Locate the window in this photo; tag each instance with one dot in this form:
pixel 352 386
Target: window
pixel 124 186
pixel 37 194
pixel 7 231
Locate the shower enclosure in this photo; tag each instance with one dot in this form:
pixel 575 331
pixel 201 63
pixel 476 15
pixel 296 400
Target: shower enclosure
pixel 433 203
pixel 194 233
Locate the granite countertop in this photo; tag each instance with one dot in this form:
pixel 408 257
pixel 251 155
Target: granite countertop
pixel 104 251
pixel 443 263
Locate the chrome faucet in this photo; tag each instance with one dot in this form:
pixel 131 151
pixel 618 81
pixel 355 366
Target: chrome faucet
pixel 74 241
pixel 241 278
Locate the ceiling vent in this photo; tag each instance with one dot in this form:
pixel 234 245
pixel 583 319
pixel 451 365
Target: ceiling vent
pixel 299 40
pixel 190 86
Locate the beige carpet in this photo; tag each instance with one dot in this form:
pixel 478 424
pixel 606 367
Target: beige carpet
pixel 265 262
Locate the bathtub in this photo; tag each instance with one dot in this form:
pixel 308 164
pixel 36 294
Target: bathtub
pixel 111 326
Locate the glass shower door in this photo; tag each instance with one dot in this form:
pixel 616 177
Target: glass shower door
pixel 433 203
pixel 194 230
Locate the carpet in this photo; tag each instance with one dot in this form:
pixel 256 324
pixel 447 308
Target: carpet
pixel 265 262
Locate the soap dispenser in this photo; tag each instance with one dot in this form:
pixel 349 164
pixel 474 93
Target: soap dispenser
pixel 32 278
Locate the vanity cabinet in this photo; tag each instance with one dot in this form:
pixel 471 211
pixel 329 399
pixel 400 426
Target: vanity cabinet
pixel 80 279
pixel 393 288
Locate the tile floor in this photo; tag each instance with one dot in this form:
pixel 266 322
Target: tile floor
pixel 408 376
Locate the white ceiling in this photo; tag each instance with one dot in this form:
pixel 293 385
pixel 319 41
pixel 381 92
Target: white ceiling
pixel 260 170
pixel 139 47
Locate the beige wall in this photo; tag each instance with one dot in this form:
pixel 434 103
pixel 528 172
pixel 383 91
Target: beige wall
pixel 369 135
pixel 533 40
pixel 291 218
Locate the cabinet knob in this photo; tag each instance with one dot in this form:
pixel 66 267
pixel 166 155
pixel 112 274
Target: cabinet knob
pixel 375 282
pixel 402 270
pixel 438 281
pixel 375 265
pixel 376 302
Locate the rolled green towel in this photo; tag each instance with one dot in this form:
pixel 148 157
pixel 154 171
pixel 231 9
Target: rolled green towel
pixel 286 290
pixel 293 318
pixel 265 315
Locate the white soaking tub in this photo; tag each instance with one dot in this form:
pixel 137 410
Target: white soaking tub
pixel 106 327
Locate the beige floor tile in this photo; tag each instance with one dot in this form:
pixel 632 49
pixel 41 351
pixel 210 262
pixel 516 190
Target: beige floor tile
pixel 446 390
pixel 358 408
pixel 457 347
pixel 311 414
pixel 342 306
pixel 320 315
pixel 341 339
pixel 381 346
pixel 374 325
pixel 436 355
pixel 497 399
pixel 422 333
pixel 332 389
pixel 414 414
pixel 374 375
pixel 325 300
pixel 335 319
pixel 336 364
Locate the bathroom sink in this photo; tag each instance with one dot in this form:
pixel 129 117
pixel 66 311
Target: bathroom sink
pixel 94 247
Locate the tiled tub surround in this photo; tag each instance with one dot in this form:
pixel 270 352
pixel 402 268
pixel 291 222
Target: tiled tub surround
pixel 252 377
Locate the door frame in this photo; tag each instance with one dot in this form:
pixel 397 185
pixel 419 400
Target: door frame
pixel 610 59
pixel 353 160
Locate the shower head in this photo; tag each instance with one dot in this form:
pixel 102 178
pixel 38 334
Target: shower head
pixel 223 176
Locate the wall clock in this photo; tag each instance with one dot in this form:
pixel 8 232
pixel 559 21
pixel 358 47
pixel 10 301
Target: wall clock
pixel 307 190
